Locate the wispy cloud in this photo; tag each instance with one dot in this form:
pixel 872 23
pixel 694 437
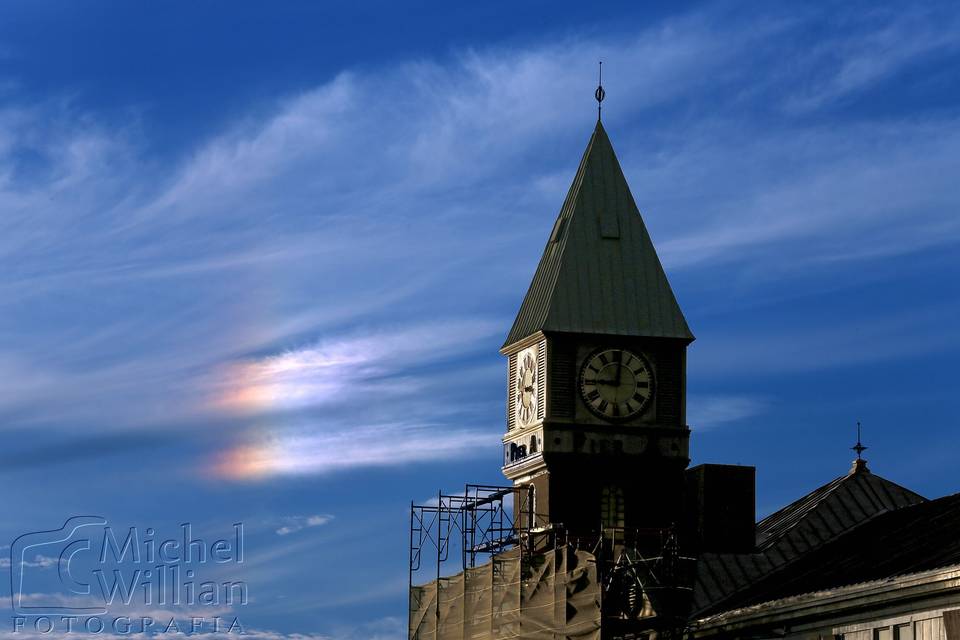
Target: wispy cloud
pixel 38 562
pixel 320 284
pixel 861 193
pixel 341 370
pixel 706 412
pixel 779 350
pixel 892 41
pixel 292 452
pixel 293 524
pixel 377 372
pixel 285 265
pixel 132 611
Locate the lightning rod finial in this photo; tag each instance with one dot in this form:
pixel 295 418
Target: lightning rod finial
pixel 600 94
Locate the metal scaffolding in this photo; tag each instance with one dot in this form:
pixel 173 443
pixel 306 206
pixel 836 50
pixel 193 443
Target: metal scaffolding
pixel 516 575
pixel 478 523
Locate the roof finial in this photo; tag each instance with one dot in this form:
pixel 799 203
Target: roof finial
pixel 859 465
pixel 859 448
pixel 600 94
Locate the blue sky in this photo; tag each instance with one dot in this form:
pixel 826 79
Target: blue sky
pixel 257 260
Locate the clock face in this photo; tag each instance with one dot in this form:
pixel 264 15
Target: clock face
pixel 616 384
pixel 525 386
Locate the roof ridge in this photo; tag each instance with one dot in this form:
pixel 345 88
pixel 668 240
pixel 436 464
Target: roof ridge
pixel 797 511
pixel 570 202
pixel 557 236
pixel 812 498
pixel 900 487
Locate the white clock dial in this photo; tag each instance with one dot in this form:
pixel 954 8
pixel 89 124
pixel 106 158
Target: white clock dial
pixel 525 386
pixel 616 384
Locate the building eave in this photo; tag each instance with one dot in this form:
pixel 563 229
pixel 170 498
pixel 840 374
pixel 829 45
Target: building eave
pixel 832 602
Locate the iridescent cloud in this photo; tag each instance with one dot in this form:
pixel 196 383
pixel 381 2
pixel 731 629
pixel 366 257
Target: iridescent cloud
pixel 335 370
pixel 307 403
pixel 289 454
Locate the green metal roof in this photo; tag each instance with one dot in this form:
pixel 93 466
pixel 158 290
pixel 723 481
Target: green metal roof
pixel 599 272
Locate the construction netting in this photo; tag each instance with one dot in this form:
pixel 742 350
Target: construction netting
pixel 537 596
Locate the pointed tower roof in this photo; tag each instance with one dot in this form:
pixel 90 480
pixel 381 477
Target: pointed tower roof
pixel 599 272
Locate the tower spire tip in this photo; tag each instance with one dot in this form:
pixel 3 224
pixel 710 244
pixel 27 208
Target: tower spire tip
pixel 600 94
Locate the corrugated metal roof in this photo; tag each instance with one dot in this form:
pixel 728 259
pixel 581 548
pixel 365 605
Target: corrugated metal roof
pixel 787 538
pixel 914 538
pixel 832 509
pixel 717 581
pixel 599 272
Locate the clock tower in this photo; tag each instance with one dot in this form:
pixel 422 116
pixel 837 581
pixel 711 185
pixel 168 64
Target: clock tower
pixel 596 385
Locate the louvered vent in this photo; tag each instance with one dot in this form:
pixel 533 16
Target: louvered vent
pixel 511 396
pixel 541 378
pixel 563 376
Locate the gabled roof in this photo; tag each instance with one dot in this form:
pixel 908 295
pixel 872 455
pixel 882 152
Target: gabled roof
pixel 914 538
pixel 599 272
pixel 834 508
pixel 787 538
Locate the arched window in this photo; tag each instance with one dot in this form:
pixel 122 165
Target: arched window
pixel 611 507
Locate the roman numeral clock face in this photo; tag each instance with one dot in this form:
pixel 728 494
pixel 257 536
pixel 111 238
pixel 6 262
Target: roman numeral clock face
pixel 616 384
pixel 526 386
